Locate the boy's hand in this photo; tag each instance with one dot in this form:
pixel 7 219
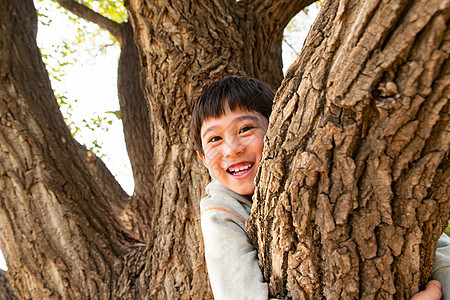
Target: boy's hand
pixel 432 292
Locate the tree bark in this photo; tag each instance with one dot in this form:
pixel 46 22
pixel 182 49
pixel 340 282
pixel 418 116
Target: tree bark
pixel 58 233
pixel 136 124
pixel 61 232
pixel 353 191
pixel 6 291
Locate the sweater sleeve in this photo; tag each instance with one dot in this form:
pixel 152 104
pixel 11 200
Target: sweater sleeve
pixel 231 259
pixel 441 268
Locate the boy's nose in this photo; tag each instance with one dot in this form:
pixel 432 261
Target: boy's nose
pixel 233 147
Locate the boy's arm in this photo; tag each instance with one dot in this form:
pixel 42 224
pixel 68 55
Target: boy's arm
pixel 231 259
pixel 441 268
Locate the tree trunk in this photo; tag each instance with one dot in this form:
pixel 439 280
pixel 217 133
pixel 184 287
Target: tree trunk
pixel 58 234
pixel 60 230
pixel 353 190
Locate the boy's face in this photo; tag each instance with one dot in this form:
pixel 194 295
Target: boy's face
pixel 233 145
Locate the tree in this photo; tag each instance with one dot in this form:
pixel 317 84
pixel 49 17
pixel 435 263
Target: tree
pixel 354 187
pixel 69 231
pixel 6 292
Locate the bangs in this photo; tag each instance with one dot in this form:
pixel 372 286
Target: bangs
pixel 234 94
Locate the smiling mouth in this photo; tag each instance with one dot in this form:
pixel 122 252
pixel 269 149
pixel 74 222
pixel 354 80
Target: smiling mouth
pixel 240 169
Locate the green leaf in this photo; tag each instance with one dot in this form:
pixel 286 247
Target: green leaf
pixel 116 113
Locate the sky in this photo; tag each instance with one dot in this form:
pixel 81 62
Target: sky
pixel 89 79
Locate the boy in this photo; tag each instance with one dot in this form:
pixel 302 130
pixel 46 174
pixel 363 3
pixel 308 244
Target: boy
pixel 229 122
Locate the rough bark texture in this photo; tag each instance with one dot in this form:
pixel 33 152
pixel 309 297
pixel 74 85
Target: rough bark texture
pixel 135 117
pixel 58 234
pixel 354 186
pixel 61 212
pixel 6 291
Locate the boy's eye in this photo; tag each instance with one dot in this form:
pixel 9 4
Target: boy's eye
pixel 245 128
pixel 214 139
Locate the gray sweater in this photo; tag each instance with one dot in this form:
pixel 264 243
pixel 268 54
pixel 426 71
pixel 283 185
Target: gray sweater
pixel 232 260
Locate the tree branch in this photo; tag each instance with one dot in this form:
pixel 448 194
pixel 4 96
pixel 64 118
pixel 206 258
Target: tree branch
pixel 134 113
pixel 268 19
pixel 137 132
pixel 92 16
pixel 105 181
pixel 277 14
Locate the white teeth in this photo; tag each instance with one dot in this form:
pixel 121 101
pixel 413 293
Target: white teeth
pixel 240 168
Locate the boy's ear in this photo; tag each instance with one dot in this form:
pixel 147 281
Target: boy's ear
pixel 202 158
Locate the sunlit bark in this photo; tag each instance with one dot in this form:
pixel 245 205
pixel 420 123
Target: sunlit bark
pixel 354 185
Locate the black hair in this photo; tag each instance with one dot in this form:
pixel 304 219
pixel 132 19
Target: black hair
pixel 230 92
